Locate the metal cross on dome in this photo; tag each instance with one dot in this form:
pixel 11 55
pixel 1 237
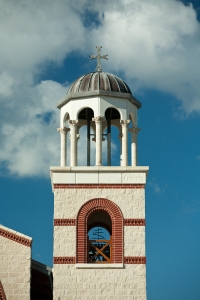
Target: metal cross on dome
pixel 99 56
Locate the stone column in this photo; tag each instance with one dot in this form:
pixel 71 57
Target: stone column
pixel 120 139
pixel 73 142
pixel 98 123
pixel 63 145
pixel 134 131
pixel 124 124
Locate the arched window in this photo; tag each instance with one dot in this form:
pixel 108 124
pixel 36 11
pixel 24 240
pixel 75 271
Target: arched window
pixel 105 215
pixel 99 237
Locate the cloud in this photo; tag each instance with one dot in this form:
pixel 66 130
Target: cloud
pixel 33 33
pixel 6 82
pixel 154 185
pixel 29 141
pixel 154 44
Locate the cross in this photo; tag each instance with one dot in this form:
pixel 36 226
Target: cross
pixel 99 56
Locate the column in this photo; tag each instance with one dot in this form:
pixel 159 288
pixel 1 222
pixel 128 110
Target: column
pixel 98 123
pixel 63 145
pixel 134 131
pixel 73 142
pixel 124 124
pixel 120 139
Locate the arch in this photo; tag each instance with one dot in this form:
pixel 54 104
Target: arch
pixel 115 108
pixel 100 224
pixel 100 218
pixel 85 118
pixel 66 117
pixel 82 109
pixel 99 237
pixel 117 103
pixel 82 226
pixel 112 120
pixel 133 117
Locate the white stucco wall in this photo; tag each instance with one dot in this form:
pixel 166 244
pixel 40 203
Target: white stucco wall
pixel 97 284
pixel 99 104
pixel 67 202
pixel 64 240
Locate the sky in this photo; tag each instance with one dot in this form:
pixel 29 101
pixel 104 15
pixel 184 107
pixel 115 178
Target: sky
pixel 154 46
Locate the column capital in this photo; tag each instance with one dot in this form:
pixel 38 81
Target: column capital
pixel 124 122
pixel 63 130
pixel 120 136
pixel 134 130
pixel 73 123
pixel 98 119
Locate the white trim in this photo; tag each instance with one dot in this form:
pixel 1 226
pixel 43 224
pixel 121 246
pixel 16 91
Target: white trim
pixel 15 232
pixel 99 266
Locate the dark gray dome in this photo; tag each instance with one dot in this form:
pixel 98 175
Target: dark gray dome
pixel 99 81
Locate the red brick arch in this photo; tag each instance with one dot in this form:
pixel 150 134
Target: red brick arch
pixel 2 293
pixel 117 228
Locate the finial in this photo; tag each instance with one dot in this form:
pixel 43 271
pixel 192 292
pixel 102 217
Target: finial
pixel 99 56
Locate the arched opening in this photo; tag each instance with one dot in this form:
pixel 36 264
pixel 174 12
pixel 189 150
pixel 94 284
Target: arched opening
pixel 111 135
pixel 99 213
pixel 86 129
pixel 99 237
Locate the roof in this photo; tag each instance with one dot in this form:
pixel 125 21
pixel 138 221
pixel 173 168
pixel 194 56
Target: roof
pixel 99 81
pixel 99 84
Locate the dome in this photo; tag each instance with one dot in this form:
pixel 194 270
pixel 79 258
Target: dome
pixel 99 81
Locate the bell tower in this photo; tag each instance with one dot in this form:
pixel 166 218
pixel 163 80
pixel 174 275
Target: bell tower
pixel 99 210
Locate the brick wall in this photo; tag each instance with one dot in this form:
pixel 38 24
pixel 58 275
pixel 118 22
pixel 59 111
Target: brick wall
pixel 15 264
pixel 126 283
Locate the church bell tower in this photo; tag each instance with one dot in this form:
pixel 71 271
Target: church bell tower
pixel 99 208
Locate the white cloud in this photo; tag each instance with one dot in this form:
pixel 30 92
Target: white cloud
pixel 6 82
pixel 33 33
pixel 154 185
pixel 29 141
pixel 155 44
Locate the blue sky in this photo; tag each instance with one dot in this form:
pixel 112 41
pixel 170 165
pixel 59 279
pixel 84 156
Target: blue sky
pixel 155 47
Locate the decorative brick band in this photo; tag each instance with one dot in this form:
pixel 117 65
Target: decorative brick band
pixel 14 237
pixel 138 260
pixel 71 260
pixel 98 186
pixel 134 222
pixel 64 260
pixel 2 293
pixel 64 222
